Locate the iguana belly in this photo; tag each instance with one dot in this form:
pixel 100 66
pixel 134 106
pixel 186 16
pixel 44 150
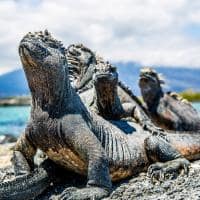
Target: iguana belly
pixel 123 162
pixel 71 161
pixel 68 159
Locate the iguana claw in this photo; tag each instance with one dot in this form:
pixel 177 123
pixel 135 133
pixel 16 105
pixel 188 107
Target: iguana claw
pixel 154 130
pixel 171 169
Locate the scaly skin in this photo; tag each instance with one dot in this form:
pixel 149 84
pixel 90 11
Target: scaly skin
pixel 81 62
pixel 167 110
pixel 79 140
pixel 29 185
pixel 26 186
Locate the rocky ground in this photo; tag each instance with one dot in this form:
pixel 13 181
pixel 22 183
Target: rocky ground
pixel 140 187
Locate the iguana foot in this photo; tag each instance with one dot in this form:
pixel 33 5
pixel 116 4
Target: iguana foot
pixel 154 130
pixel 89 193
pixel 171 169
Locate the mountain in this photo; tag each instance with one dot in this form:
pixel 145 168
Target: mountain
pixel 177 79
pixel 13 84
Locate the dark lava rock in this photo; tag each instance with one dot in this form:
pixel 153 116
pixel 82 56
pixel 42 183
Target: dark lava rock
pixel 140 187
pixel 7 138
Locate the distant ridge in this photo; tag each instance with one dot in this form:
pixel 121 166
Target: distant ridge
pixel 177 79
pixel 13 84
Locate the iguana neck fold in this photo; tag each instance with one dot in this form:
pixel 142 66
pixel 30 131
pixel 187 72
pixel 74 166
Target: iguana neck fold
pixel 55 102
pixel 106 99
pixel 152 98
pixel 150 86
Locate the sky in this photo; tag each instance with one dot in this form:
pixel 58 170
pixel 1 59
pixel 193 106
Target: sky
pixel 149 32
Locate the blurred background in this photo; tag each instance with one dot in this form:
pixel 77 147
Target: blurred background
pixel 130 34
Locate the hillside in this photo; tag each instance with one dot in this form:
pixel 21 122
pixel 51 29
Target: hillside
pixel 13 84
pixel 177 79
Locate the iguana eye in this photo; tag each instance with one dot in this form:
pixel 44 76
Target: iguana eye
pixel 63 59
pixel 113 69
pixel 151 73
pixel 95 70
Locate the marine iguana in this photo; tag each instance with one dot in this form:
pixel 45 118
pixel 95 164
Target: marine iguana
pixel 83 65
pixel 79 140
pixel 167 110
pixel 103 99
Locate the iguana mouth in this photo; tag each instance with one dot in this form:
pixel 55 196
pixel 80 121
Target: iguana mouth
pixel 145 77
pixel 24 49
pixel 148 75
pixel 105 77
pixel 25 55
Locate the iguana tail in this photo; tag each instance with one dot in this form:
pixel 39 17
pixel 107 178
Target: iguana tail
pixel 25 187
pixel 187 144
pixel 28 186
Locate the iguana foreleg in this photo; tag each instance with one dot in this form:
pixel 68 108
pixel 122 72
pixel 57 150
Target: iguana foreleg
pixel 168 161
pixel 99 181
pixel 146 122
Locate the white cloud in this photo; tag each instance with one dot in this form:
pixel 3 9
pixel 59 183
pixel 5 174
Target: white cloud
pixel 147 31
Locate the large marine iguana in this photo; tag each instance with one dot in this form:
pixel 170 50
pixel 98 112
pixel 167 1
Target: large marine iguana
pixel 166 110
pixel 79 140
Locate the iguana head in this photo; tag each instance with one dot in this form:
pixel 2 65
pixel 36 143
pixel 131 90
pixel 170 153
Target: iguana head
pixel 81 62
pixel 104 74
pixel 105 82
pixel 150 83
pixel 45 66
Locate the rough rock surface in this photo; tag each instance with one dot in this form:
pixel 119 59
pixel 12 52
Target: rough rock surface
pixel 7 138
pixel 140 187
pixel 5 154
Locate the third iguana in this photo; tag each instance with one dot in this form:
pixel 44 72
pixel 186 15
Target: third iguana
pixel 167 110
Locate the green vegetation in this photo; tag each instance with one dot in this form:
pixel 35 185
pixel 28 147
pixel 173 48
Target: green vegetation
pixel 190 95
pixel 15 101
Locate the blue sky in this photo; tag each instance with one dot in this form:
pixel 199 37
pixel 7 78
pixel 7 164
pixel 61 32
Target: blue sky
pixel 150 32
